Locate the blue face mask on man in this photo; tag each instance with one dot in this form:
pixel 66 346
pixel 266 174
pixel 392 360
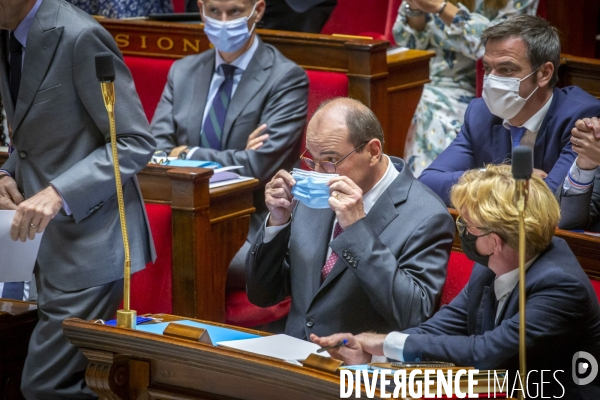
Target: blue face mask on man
pixel 311 188
pixel 228 36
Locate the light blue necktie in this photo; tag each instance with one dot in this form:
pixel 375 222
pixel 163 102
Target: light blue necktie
pixel 516 133
pixel 13 290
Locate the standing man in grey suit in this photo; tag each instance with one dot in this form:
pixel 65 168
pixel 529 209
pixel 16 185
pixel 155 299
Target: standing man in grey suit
pixel 579 195
pixel 60 178
pixel 375 259
pixel 242 103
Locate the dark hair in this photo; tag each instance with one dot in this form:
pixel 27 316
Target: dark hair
pixel 361 122
pixel 541 39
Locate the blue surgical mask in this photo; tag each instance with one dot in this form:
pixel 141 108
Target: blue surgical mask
pixel 228 36
pixel 311 188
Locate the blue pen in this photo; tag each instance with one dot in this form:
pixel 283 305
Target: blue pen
pixel 333 346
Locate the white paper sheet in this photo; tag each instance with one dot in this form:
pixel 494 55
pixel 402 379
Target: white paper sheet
pixel 17 259
pixel 283 347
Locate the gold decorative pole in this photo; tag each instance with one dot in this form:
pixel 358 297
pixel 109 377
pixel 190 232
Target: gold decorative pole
pixel 522 191
pixel 105 71
pixel 522 168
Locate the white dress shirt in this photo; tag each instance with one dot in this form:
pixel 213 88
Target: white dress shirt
pixel 533 125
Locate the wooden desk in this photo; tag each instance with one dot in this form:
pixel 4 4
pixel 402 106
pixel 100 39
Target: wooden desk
pixel 129 364
pixel 132 364
pixel 582 72
pixel 17 320
pixel 408 72
pixel 370 79
pixel 208 228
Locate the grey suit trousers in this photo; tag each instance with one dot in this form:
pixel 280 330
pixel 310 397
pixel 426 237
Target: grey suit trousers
pixel 53 364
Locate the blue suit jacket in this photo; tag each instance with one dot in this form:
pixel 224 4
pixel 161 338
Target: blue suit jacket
pixel 562 313
pixel 483 140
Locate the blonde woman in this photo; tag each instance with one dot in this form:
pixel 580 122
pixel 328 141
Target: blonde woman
pixel 452 29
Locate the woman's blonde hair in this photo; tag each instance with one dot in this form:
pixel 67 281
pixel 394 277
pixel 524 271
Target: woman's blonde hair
pixel 488 196
pixel 487 4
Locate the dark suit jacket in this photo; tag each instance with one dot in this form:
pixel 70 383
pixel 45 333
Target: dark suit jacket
pixel 272 90
pixel 61 137
pixel 562 313
pixel 391 269
pixel 483 140
pixel 581 211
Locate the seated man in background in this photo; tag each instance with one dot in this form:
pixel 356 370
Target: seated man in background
pixel 480 327
pixel 374 257
pixel 520 105
pixel 213 102
pixel 579 196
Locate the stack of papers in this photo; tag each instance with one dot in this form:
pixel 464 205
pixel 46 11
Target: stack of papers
pixel 18 258
pixel 283 347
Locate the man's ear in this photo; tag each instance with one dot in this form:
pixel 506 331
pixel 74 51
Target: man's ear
pixel 544 74
pixel 260 10
pixel 375 150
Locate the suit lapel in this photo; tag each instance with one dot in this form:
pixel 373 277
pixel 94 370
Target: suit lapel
pixel 253 78
pixel 202 79
pixel 383 212
pixel 4 73
pixel 486 315
pixel 539 149
pixel 42 40
pixel 501 149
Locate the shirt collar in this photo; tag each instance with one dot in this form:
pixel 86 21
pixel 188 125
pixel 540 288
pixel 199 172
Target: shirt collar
pixel 23 28
pixel 241 63
pixel 376 191
pixel 505 283
pixel 534 123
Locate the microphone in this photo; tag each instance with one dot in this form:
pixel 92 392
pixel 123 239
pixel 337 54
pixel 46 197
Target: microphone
pixel 105 72
pixel 522 168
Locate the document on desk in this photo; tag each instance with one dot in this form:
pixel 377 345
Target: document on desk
pixel 284 347
pixel 18 258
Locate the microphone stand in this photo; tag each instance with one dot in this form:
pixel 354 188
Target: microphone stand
pixel 522 168
pixel 126 318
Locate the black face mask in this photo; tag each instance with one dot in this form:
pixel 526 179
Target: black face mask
pixel 467 242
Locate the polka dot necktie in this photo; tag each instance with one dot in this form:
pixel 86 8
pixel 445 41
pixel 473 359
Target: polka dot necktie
pixel 333 257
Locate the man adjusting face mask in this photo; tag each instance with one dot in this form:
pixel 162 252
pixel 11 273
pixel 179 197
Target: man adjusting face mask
pixel 501 95
pixel 228 36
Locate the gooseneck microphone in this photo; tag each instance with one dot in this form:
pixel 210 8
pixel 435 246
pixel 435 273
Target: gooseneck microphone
pixel 105 72
pixel 522 168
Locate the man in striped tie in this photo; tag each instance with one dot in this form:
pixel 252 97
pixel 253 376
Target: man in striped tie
pixel 241 103
pixel 374 259
pixel 520 105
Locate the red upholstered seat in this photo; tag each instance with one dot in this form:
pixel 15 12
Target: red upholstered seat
pixel 150 77
pixel 351 17
pixel 179 6
pixel 459 272
pixel 152 289
pixel 240 312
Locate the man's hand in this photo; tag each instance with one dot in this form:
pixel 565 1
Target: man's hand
pixel 346 200
pixel 175 152
pixel 352 353
pixel 34 214
pixel 279 199
pixel 585 138
pixel 254 140
pixel 10 197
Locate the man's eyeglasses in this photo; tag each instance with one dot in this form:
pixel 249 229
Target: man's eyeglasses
pixel 462 226
pixel 328 166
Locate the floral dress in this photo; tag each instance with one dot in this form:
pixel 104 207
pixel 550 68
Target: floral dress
pixel 124 8
pixel 442 107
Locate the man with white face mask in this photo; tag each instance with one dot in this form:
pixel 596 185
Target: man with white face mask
pixel 520 106
pixel 242 103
